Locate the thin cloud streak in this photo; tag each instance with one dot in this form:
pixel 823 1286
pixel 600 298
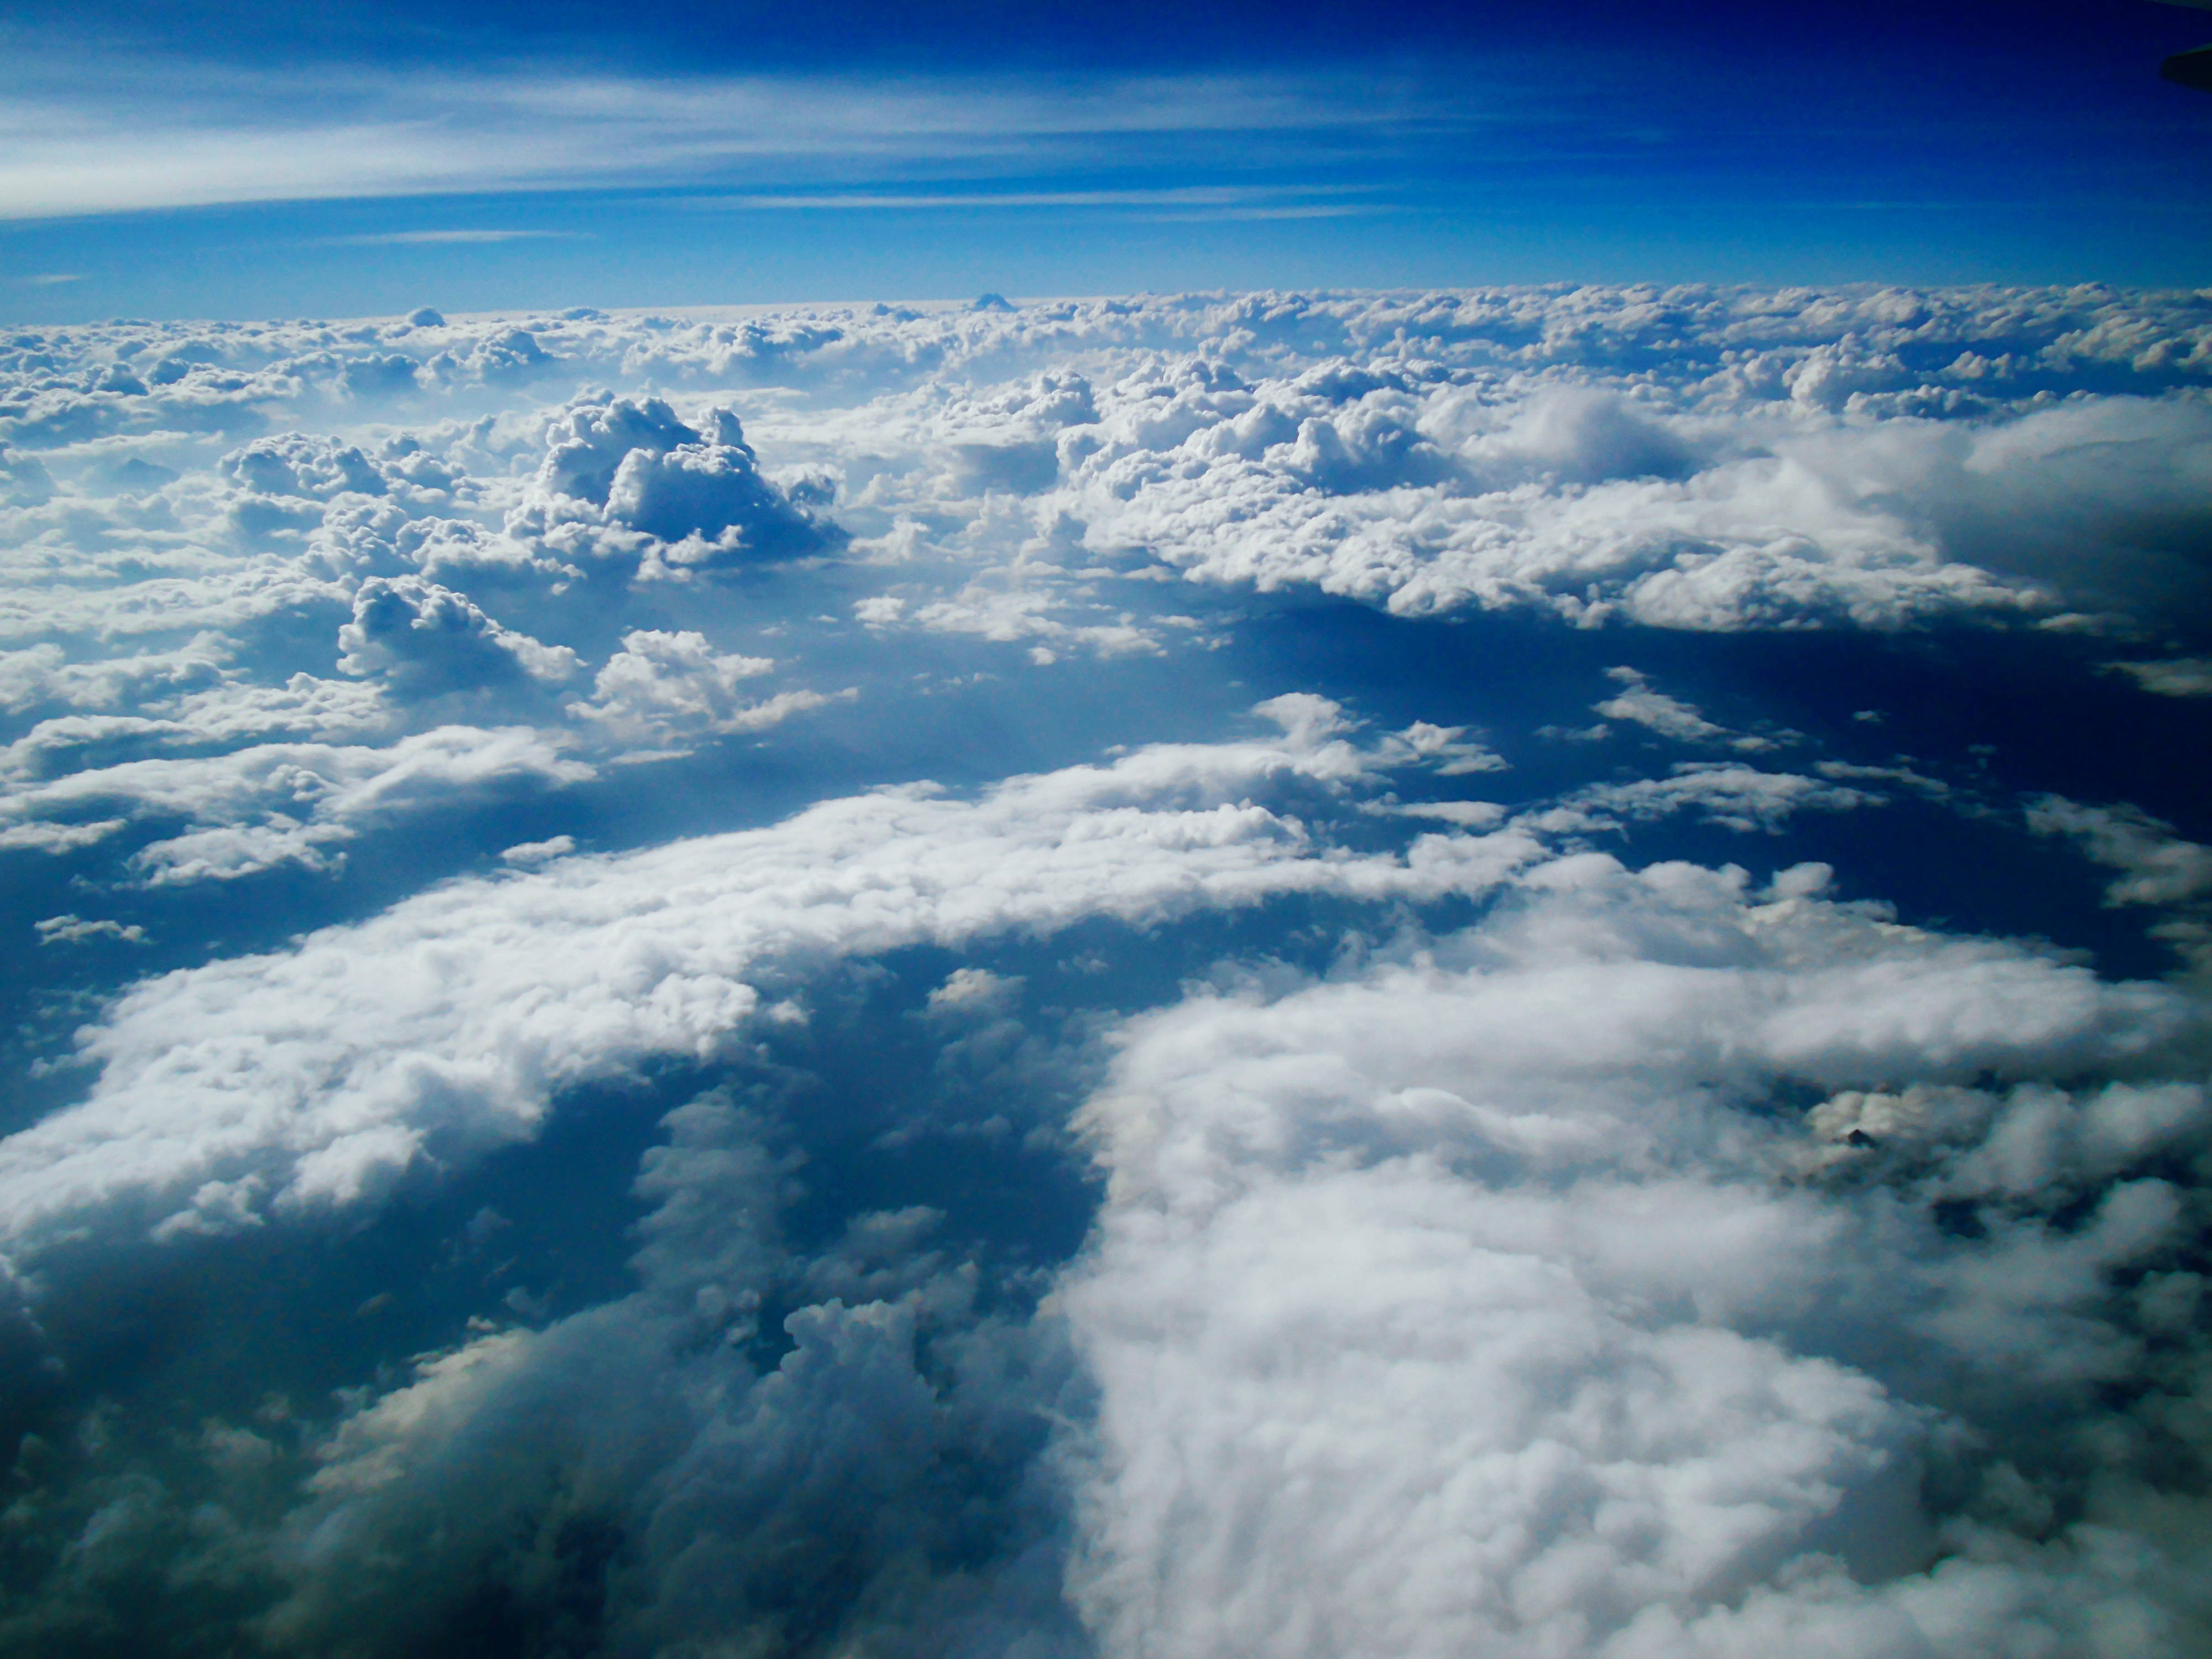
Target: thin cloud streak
pixel 445 238
pixel 131 142
pixel 1309 211
pixel 1230 199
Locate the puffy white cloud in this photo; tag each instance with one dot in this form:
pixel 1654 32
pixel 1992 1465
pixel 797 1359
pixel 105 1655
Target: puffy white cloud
pixel 57 837
pixel 1408 1434
pixel 1686 458
pixel 1446 749
pixel 2023 1146
pixel 75 930
pixel 710 499
pixel 1576 435
pixel 1799 534
pixel 278 803
pixel 326 709
pixel 663 686
pixel 232 713
pixel 1466 814
pixel 975 991
pixel 1726 793
pixel 1474 1300
pixel 2156 866
pixel 1668 716
pixel 299 465
pixel 2176 677
pixel 675 497
pixel 1640 703
pixel 448 1023
pixel 231 595
pixel 586 449
pixel 426 639
pixel 43 674
pixel 537 852
pixel 1031 611
pixel 1463 464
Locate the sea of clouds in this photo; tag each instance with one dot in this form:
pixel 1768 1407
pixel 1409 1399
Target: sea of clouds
pixel 676 993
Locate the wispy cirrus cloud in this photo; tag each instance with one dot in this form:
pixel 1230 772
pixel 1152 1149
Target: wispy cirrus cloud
pixel 92 140
pixel 1222 199
pixel 451 238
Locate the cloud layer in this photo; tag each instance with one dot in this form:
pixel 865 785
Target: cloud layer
pixel 1484 1298
pixel 1517 970
pixel 446 1025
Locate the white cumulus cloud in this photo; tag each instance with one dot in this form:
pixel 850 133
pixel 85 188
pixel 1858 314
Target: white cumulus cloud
pixel 1468 1303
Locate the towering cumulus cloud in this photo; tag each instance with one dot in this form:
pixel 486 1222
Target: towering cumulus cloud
pixel 1510 972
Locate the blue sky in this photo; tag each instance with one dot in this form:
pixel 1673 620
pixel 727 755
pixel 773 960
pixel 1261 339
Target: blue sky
pixel 235 161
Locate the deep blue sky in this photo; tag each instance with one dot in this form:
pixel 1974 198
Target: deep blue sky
pixel 250 159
